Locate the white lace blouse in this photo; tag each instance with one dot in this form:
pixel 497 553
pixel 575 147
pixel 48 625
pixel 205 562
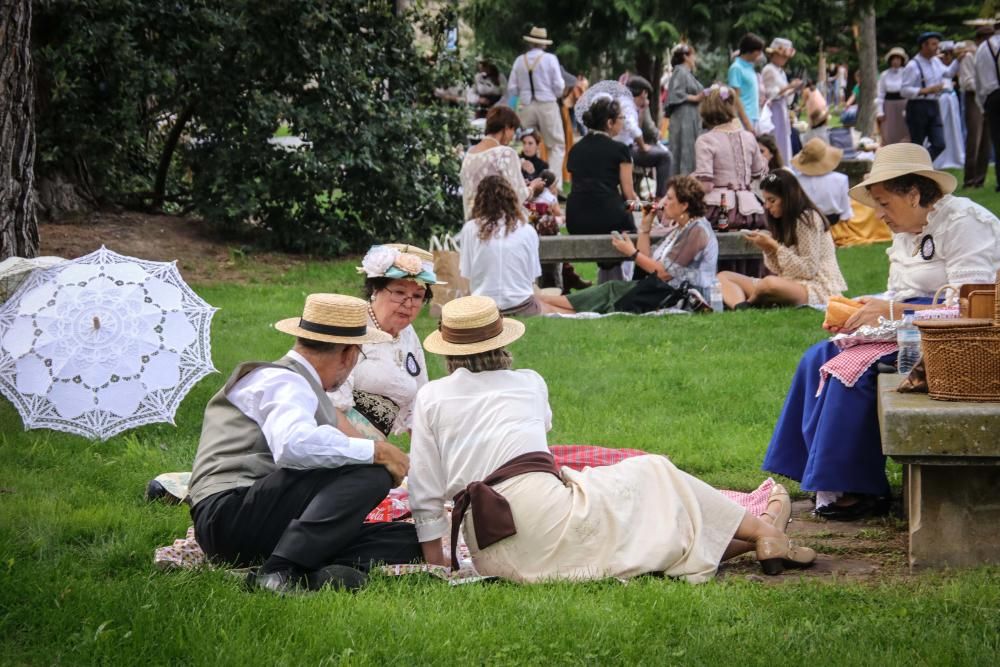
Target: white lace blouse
pixel 502 160
pixel 964 247
pixel 395 370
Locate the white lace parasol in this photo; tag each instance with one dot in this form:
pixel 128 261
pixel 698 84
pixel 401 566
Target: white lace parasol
pixel 601 89
pixel 102 344
pixel 14 270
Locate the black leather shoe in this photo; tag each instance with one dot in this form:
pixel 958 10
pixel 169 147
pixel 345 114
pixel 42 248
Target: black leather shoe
pixel 281 582
pixel 865 506
pixel 335 577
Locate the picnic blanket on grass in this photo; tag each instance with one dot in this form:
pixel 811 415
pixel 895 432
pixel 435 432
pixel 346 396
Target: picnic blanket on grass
pixel 185 553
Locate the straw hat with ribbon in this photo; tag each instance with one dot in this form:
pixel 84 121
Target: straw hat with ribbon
pixel 817 158
pixel 781 46
pixel 470 325
pixel 896 51
pixel 898 160
pixel 538 36
pixel 333 318
pixel 399 261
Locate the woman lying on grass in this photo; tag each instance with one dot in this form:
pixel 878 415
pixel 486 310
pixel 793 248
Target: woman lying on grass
pixel 799 250
pixel 480 433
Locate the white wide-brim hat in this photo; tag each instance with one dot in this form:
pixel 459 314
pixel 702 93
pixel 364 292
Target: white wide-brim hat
pixel 896 51
pixel 538 36
pixel 333 318
pixel 781 46
pixel 897 160
pixel 470 325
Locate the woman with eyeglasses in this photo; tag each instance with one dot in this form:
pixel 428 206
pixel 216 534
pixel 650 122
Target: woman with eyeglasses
pixel 380 391
pixel 798 249
pixel 500 250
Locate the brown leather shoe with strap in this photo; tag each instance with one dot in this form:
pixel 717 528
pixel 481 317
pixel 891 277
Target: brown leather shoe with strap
pixel 779 508
pixel 776 553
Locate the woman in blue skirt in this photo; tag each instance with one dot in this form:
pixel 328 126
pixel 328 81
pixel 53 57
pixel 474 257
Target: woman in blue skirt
pixel 830 442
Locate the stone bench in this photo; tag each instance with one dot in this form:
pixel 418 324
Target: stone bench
pixel 598 248
pixel 951 457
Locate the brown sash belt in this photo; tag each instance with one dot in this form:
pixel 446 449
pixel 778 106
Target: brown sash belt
pixel 490 511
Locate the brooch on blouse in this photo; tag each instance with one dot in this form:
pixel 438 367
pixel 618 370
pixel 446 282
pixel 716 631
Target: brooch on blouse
pixel 412 367
pixel 925 247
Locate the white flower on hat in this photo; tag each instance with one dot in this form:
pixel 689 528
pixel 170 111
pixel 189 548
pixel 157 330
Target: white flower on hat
pixel 409 263
pixel 378 260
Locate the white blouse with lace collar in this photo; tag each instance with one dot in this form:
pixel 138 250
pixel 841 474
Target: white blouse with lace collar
pixel 964 247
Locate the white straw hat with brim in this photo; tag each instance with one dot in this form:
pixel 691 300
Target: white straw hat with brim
pixel 898 160
pixel 470 325
pixel 817 158
pixel 781 46
pixel 424 255
pixel 538 36
pixel 897 51
pixel 333 318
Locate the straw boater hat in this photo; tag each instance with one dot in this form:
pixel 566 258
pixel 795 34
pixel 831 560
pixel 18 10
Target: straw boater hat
pixel 897 160
pixel 470 325
pixel 333 318
pixel 817 158
pixel 896 51
pixel 781 46
pixel 538 36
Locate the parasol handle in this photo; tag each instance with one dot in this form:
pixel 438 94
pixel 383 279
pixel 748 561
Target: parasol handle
pixel 97 323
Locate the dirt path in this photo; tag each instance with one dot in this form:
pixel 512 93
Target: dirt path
pixel 200 257
pixel 870 550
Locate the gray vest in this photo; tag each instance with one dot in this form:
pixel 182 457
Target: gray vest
pixel 232 451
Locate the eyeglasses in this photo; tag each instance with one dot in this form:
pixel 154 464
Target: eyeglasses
pixel 400 297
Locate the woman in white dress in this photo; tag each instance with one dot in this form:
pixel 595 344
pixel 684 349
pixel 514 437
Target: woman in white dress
pixel 493 155
pixel 778 92
pixel 890 102
pixel 479 435
pixel 377 398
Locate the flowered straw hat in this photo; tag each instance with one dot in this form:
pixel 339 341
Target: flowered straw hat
pixel 399 262
pixel 333 318
pixel 470 325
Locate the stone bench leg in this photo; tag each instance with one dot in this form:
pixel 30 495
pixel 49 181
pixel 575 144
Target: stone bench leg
pixel 954 515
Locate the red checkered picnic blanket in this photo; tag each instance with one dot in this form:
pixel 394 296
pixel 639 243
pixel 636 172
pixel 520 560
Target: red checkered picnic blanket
pixel 851 364
pixel 186 553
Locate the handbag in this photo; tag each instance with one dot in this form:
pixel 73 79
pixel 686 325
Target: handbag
pixel 446 268
pixel 654 294
pixel 765 124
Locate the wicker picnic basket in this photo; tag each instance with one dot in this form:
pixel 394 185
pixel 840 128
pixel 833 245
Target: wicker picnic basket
pixel 962 357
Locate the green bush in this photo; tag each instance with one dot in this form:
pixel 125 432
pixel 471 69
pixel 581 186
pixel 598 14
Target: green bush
pixel 346 77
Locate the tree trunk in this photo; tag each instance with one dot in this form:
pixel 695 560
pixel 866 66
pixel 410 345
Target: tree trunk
pixel 649 67
pixel 18 227
pixel 160 187
pixel 868 58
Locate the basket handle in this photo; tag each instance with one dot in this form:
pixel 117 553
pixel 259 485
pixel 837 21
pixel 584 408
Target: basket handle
pixel 953 287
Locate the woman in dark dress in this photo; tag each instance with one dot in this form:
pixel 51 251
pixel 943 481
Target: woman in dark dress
pixel 602 180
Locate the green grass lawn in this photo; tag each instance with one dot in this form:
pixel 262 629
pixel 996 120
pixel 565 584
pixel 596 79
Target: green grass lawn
pixel 77 583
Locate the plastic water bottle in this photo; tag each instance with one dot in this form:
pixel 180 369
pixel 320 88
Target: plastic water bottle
pixel 908 339
pixel 715 296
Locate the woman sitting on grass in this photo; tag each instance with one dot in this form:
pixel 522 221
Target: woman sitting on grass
pixel 688 254
pixel 829 440
pixel 500 249
pixel 799 250
pixel 480 433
